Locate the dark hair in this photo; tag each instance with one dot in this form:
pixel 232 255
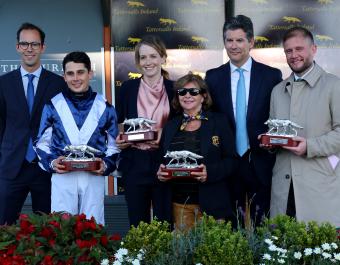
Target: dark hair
pixel 190 77
pixel 298 31
pixel 239 22
pixel 156 43
pixel 30 26
pixel 77 57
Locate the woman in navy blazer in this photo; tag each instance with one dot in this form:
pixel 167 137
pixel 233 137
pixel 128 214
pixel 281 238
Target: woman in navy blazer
pixel 209 135
pixel 148 97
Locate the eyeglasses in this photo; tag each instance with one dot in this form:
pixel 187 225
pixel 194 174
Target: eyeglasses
pixel 34 45
pixel 192 91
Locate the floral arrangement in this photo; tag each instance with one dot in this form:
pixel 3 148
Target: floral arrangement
pixel 60 239
pixel 281 240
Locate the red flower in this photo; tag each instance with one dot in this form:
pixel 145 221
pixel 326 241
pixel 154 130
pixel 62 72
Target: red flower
pixel 116 237
pixel 48 260
pixel 104 240
pixel 47 232
pixel 66 216
pixel 55 224
pixel 26 227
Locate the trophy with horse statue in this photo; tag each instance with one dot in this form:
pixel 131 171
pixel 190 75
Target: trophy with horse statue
pixel 139 129
pixel 280 133
pixel 181 164
pixel 81 158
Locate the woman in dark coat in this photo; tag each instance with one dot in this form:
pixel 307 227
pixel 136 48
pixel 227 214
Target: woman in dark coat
pixel 148 97
pixel 207 134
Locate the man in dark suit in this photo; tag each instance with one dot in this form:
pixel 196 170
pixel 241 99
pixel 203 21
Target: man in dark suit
pixel 241 89
pixel 23 94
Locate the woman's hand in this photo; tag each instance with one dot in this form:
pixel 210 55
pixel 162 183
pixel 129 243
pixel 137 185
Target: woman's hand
pixel 162 175
pixel 122 144
pixel 201 176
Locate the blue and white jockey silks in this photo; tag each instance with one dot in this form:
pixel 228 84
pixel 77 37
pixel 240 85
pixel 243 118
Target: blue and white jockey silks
pixel 86 120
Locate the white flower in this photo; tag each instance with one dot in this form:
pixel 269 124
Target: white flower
pixel 281 261
pixel 105 262
pixel 326 246
pixel 334 245
pixel 317 250
pixel 140 256
pixel 268 241
pixel 135 262
pixel 308 251
pixel 326 255
pixel 199 264
pixel 337 256
pixel 117 262
pixel 121 243
pixel 267 257
pixel 275 237
pixel 281 250
pixel 297 255
pixel 120 254
pixel 272 248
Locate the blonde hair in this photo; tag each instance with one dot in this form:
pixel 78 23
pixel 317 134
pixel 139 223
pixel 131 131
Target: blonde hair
pixel 156 43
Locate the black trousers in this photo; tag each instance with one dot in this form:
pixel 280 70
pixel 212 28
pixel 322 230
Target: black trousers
pixel 13 192
pixel 246 188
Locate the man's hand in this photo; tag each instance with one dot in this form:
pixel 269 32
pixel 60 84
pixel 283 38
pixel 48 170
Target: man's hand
pixel 300 149
pixel 57 166
pixel 101 169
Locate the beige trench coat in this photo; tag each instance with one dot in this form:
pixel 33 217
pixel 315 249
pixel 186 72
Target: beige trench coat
pixel 315 105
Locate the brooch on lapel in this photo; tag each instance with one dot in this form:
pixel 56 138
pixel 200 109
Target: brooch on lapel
pixel 215 140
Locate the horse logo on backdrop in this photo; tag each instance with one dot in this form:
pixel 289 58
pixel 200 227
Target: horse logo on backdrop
pixel 199 2
pixel 134 75
pixel 133 40
pixel 261 39
pixel 165 21
pixel 135 4
pixel 291 19
pixel 323 37
pixel 262 2
pixel 199 39
pixel 325 2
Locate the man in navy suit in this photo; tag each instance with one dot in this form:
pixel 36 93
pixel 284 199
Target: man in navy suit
pixel 23 94
pixel 241 89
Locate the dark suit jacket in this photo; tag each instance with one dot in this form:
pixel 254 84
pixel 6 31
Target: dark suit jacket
pixel 262 80
pixel 142 161
pixel 16 126
pixel 218 149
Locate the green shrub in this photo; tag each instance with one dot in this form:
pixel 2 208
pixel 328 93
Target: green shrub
pixel 219 244
pixel 153 239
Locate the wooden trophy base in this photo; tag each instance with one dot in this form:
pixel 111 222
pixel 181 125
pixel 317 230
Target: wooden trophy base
pixel 81 165
pixel 139 136
pixel 181 172
pixel 278 140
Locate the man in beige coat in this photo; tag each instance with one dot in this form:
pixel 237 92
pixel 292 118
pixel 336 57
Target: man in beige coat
pixel 306 178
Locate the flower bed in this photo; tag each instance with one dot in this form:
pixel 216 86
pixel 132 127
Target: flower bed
pixel 64 239
pixel 55 239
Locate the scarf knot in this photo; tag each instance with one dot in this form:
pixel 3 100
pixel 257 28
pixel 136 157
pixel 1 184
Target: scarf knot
pixel 188 118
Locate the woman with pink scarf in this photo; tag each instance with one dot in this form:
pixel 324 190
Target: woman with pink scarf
pixel 148 97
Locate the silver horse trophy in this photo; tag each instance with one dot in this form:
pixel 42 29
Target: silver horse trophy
pixel 139 129
pixel 181 164
pixel 81 158
pixel 280 133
